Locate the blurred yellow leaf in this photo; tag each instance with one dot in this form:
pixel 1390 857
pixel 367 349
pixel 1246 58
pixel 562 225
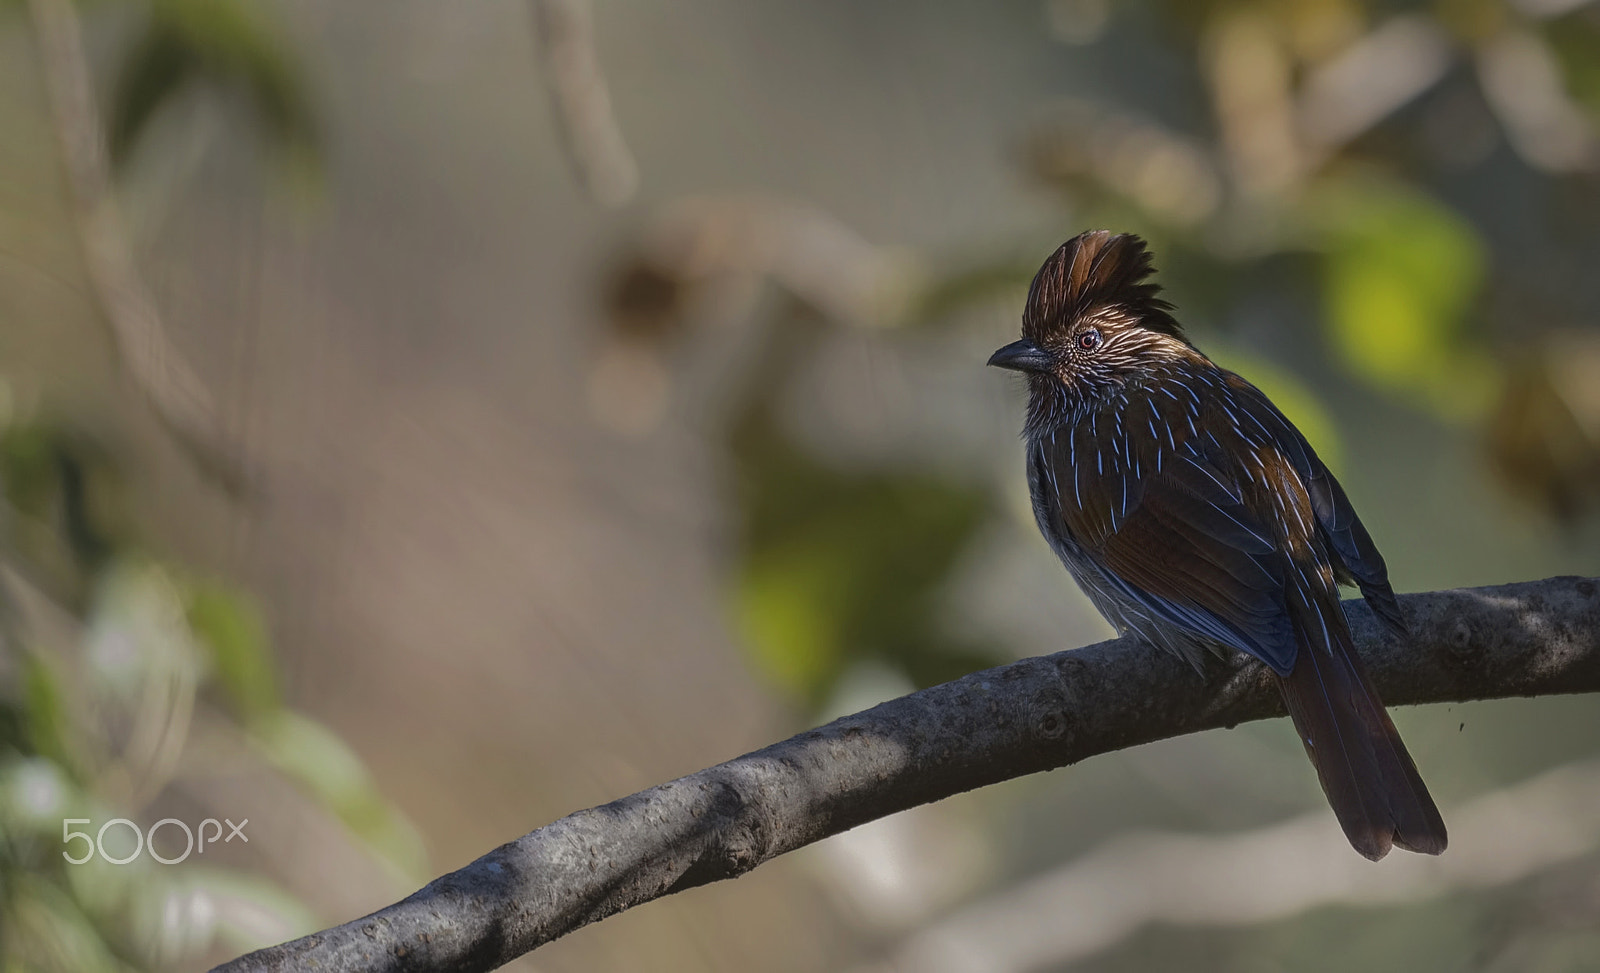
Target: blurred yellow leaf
pixel 786 619
pixel 1401 270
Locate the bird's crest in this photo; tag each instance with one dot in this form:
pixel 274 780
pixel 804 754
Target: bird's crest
pixel 1091 271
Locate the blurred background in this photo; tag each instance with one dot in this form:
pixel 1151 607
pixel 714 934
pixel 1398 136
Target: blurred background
pixel 419 421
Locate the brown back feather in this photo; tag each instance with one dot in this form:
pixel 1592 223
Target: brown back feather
pixel 1095 270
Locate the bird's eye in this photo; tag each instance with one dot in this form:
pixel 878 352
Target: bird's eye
pixel 1089 340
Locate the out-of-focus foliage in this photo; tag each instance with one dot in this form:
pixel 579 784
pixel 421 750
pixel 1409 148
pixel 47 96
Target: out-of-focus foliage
pixel 112 659
pixel 226 46
pixel 1575 39
pixel 125 679
pixel 1401 275
pixel 807 612
pixel 229 623
pixel 1545 436
pixel 1352 153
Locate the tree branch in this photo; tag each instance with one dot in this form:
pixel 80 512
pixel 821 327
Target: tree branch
pixel 1528 639
pixel 582 101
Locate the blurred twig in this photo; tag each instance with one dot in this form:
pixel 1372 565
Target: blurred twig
pixel 810 253
pixel 594 141
pixel 1525 639
pixel 157 368
pixel 704 260
pixel 1522 82
pixel 1367 82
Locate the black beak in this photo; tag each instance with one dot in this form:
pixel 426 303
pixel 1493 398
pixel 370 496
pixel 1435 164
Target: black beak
pixel 1022 356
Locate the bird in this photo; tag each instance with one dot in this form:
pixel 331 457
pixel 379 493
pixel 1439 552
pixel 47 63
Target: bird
pixel 1196 517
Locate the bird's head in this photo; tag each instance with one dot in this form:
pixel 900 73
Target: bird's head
pixel 1093 323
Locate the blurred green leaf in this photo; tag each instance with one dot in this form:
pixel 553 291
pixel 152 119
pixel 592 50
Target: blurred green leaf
pixel 28 465
pixel 786 615
pixel 156 70
pixel 13 726
pixel 45 717
pixel 1575 39
pixel 315 757
pixel 841 566
pixel 1400 272
pixel 66 487
pixel 225 43
pixel 228 624
pixel 140 647
pixel 47 933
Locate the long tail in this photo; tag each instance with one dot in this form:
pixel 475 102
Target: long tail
pixel 1369 778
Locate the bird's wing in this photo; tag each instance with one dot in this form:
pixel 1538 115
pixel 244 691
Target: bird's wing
pixel 1177 533
pixel 1341 530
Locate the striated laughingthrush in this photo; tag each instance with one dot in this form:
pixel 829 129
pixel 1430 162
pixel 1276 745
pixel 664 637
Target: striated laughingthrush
pixel 1195 516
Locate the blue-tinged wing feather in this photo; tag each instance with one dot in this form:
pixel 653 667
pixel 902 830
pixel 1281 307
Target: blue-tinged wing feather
pixel 1186 550
pixel 1356 556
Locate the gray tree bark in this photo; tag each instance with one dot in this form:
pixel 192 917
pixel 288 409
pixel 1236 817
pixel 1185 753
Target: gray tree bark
pixel 1527 639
